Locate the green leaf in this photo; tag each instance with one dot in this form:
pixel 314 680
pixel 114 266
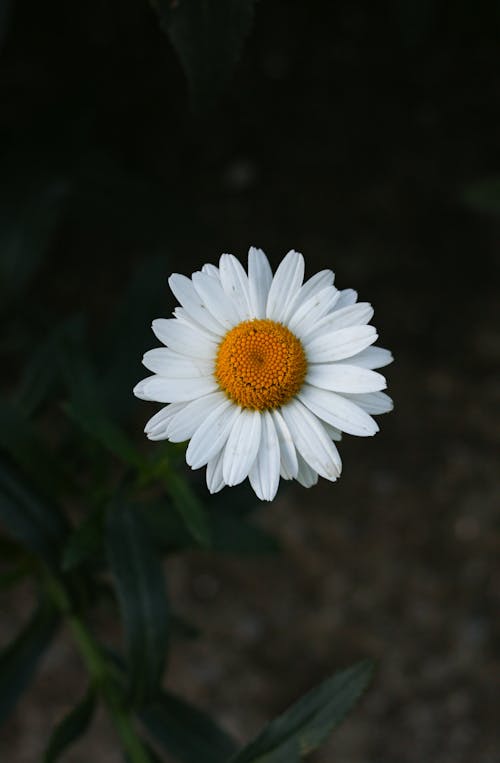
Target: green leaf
pixel 140 584
pixel 85 542
pixel 29 518
pixel 166 526
pixel 185 732
pixel 484 195
pixel 189 507
pixel 93 420
pixel 307 723
pixel 19 660
pixel 87 409
pixel 208 36
pixel 72 726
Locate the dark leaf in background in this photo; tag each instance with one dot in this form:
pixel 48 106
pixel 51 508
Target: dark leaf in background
pixel 87 408
pixel 79 376
pixel 85 542
pixel 233 534
pixel 185 732
pixel 189 507
pixel 208 36
pixel 19 660
pixel 130 335
pixel 71 728
pixel 92 419
pixel 46 364
pixel 167 527
pixel 28 517
pixel 230 533
pixel 307 723
pixel 140 584
pixel 22 443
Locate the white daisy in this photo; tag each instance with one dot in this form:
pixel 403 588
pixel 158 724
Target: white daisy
pixel 263 373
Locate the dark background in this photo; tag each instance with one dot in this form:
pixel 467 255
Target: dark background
pixel 365 135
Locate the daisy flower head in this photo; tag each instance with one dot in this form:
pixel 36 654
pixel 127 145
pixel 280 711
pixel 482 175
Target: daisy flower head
pixel 263 373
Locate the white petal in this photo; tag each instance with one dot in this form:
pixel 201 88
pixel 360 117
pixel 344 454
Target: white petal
pixel 312 310
pixel 347 297
pixel 260 277
pixel 166 362
pixel 215 299
pixel 264 475
pixel 288 455
pixel 373 357
pixel 156 428
pixel 340 377
pixel 184 317
pixel 305 475
pixel 286 283
pixel 354 315
pixel 311 440
pixel 312 286
pixel 140 388
pixel 212 435
pixel 184 339
pixel 215 480
pixel 189 298
pixel 339 344
pixel 373 402
pixel 211 270
pixel 332 432
pixel 184 424
pixel 165 390
pixel 242 446
pixel 338 411
pixel 235 284
pixel 316 283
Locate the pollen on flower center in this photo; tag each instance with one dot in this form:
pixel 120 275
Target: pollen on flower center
pixel 260 364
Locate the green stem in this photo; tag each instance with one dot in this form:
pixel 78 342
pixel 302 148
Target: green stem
pixel 130 741
pixel 89 650
pixel 100 673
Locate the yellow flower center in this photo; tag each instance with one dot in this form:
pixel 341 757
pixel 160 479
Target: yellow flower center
pixel 260 364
